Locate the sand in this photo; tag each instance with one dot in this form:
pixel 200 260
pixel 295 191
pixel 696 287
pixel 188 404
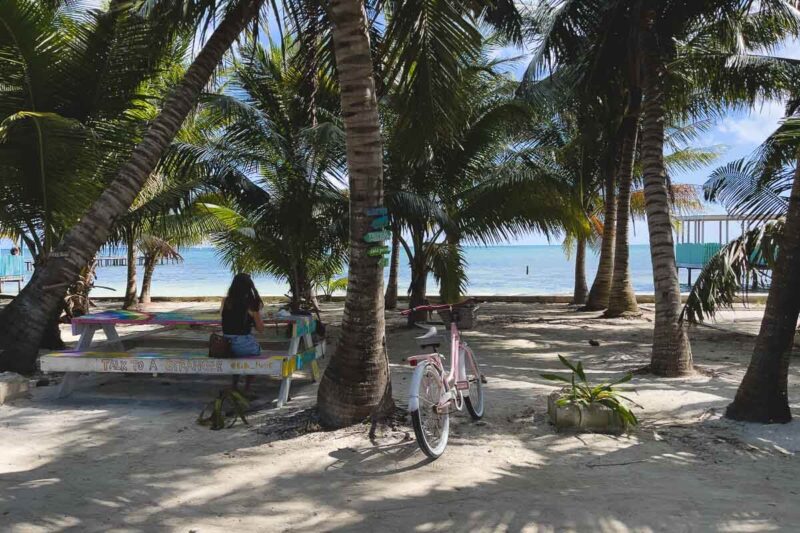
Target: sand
pixel 124 453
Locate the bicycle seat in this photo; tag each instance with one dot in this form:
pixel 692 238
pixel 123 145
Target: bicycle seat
pixel 431 339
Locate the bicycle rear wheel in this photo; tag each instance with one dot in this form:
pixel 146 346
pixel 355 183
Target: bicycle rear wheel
pixel 431 427
pixel 474 401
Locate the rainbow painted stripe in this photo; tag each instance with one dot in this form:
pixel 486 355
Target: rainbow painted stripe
pixel 169 318
pixel 302 325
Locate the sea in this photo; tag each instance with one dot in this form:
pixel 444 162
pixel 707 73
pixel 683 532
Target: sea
pixel 492 270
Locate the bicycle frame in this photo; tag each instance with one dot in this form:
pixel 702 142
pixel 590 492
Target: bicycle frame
pixel 455 381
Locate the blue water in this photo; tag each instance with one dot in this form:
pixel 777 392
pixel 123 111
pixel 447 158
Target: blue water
pixel 495 270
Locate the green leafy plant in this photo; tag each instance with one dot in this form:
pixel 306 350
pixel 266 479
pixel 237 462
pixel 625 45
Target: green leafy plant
pixel 224 410
pixel 581 392
pixel 329 285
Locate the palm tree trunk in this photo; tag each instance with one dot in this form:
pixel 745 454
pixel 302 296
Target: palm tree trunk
pixel 147 278
pixel 418 293
pixel 390 300
pixel 762 395
pixel 130 287
pixel 622 299
pixel 22 322
pixel 581 290
pixel 52 333
pixel 672 353
pixel 356 382
pixel 418 288
pixel 601 286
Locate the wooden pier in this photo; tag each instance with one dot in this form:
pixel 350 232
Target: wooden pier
pixel 118 261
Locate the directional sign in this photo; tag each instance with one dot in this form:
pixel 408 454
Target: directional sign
pixel 384 262
pixel 377 211
pixel 380 222
pixel 378 236
pixel 378 250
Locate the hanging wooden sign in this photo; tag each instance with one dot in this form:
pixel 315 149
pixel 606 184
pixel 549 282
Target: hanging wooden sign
pixel 380 222
pixel 378 236
pixel 378 250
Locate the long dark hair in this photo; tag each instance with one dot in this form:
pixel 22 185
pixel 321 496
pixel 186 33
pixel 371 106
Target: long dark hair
pixel 243 294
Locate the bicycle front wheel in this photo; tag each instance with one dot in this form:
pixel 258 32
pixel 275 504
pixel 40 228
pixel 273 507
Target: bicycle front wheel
pixel 474 400
pixel 431 425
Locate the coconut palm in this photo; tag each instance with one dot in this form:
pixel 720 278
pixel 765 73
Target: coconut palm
pixel 683 199
pixel 683 47
pixel 25 318
pixel 721 27
pixel 567 36
pixel 759 188
pixel 427 44
pixel 162 219
pixel 70 109
pixel 277 169
pixel 762 396
pixel 573 143
pixel 484 184
pixel 356 383
pixel 764 187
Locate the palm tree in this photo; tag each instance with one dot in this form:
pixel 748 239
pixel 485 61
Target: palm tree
pixel 279 208
pixel 390 298
pixel 484 184
pixel 576 49
pixel 604 36
pixel 24 320
pixel 662 26
pixel 574 142
pixel 759 189
pixel 622 299
pixel 69 111
pixel 356 383
pixel 762 395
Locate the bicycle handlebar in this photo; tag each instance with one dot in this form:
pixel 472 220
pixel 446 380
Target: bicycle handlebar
pixel 436 307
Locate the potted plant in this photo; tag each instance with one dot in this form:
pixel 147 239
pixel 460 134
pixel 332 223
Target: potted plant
pixel 585 407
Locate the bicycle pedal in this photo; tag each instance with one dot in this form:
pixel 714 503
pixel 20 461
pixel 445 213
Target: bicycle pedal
pixel 483 379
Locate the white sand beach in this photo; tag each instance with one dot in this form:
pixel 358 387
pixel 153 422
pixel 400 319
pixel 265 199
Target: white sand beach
pixel 123 453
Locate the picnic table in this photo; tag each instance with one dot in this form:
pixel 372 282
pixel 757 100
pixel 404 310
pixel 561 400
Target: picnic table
pixel 278 363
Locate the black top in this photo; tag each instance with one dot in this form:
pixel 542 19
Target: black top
pixel 236 321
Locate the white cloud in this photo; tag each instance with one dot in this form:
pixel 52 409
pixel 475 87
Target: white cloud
pixel 753 128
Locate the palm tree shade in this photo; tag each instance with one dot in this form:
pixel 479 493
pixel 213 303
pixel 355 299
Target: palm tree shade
pixel 24 320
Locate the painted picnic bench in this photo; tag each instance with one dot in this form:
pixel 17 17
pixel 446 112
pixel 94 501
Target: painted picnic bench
pixel 280 364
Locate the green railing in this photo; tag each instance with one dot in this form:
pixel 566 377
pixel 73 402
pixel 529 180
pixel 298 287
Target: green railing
pixel 695 254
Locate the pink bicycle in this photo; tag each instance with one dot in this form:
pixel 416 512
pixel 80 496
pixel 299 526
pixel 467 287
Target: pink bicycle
pixel 435 391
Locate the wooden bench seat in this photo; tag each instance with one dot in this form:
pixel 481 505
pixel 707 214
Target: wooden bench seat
pixel 271 363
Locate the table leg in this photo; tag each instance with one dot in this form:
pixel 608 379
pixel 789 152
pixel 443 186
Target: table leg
pixel 308 340
pixel 113 337
pixel 87 334
pixel 283 394
pixel 67 384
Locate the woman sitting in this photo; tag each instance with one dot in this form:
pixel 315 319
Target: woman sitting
pixel 241 312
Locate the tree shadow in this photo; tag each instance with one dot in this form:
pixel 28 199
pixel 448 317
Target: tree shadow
pixel 683 469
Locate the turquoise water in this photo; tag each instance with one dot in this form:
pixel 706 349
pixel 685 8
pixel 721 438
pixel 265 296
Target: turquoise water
pixel 492 270
pixel 495 270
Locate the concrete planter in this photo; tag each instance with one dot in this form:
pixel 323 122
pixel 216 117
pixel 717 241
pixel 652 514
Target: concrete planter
pixel 595 418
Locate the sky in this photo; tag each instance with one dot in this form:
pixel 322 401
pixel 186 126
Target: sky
pixel 738 133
